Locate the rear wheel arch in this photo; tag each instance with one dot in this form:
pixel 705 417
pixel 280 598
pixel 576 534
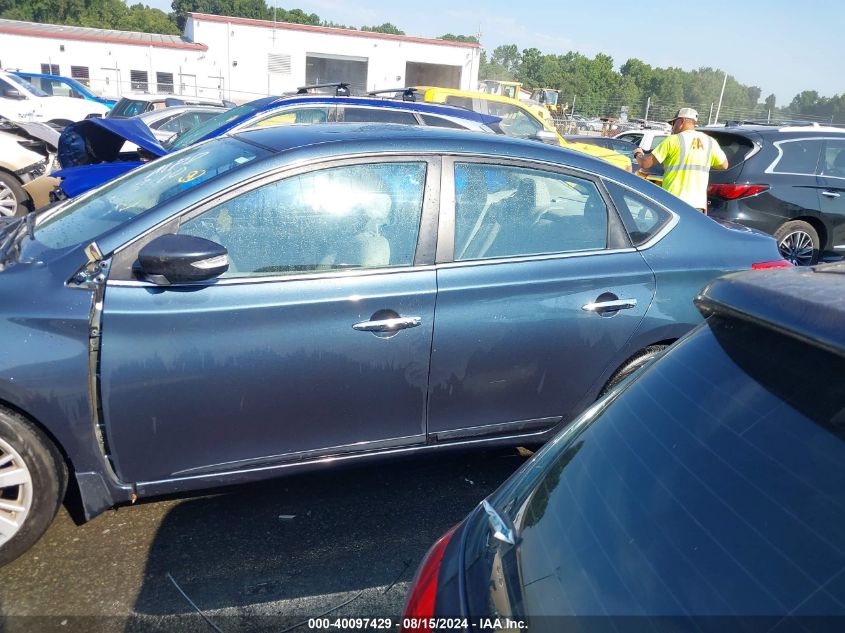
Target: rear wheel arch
pixel 818 224
pixel 633 363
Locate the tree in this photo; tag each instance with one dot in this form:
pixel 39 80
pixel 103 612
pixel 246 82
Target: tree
pixel 459 38
pixel 770 102
pixel 507 56
pixel 105 14
pixel 387 27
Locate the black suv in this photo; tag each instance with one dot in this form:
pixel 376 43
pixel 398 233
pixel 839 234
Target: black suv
pixel 786 181
pixel 705 493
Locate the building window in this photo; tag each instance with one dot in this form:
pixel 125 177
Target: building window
pixel 50 69
pixel 138 80
pixel 164 83
pixel 80 73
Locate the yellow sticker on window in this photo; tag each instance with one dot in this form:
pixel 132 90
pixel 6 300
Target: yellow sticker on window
pixel 191 175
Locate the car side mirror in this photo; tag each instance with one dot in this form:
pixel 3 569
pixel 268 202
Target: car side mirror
pixel 170 259
pixel 547 136
pixel 13 93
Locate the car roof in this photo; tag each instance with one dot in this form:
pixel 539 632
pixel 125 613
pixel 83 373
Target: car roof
pixel 44 75
pixel 472 94
pixel 416 106
pixel 146 96
pixel 790 128
pixel 384 137
pixel 805 303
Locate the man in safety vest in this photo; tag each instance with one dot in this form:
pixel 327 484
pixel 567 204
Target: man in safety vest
pixel 687 157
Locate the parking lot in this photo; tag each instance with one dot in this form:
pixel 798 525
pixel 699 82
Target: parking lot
pixel 289 549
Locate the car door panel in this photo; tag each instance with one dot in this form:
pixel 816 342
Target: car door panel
pixel 270 364
pixel 229 375
pixel 517 342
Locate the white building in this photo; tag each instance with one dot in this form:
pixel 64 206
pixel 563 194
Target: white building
pixel 111 62
pixel 262 57
pixel 235 58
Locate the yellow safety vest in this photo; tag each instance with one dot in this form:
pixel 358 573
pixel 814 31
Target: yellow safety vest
pixel 687 158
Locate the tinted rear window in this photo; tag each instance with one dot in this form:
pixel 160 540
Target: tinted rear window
pixel 643 219
pixel 736 147
pixel 713 485
pixel 130 107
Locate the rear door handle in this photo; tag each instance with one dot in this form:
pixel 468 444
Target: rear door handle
pixel 387 325
pixel 609 306
pixel 830 194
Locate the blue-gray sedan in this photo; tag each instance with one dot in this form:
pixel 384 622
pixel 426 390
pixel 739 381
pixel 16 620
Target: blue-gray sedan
pixel 286 298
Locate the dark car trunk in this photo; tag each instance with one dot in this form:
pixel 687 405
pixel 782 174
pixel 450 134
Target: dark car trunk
pixel 738 148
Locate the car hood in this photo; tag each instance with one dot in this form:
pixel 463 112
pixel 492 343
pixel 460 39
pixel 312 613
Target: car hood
pixel 39 131
pixel 78 180
pixel 103 140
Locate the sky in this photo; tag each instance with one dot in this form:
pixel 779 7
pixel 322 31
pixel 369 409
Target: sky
pixel 782 47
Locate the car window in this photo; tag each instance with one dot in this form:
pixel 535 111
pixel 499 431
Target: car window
pixel 505 211
pixel 797 157
pixel 439 121
pixel 357 216
pixel 460 102
pixel 642 218
pixel 833 158
pixel 712 485
pixel 131 107
pixel 289 116
pixel 185 121
pixel 376 115
pixel 57 88
pixel 735 146
pixel 26 86
pixel 515 121
pixel 632 138
pixel 218 122
pixel 657 139
pixel 83 220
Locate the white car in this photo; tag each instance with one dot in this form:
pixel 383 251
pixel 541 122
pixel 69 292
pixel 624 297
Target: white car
pixel 21 101
pixel 646 139
pixel 27 151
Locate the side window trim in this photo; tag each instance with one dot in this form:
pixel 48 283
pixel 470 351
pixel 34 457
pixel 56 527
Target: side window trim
pixel 667 227
pixel 617 236
pixel 771 169
pixel 124 257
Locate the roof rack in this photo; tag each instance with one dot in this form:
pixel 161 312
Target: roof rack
pixel 341 89
pixel 408 93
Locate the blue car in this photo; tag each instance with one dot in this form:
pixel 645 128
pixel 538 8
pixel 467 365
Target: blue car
pixel 285 298
pixel 102 139
pixel 56 85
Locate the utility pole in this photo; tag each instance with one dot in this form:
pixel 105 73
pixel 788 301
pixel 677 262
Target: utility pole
pixel 572 112
pixel 710 116
pixel 721 94
pixel 647 107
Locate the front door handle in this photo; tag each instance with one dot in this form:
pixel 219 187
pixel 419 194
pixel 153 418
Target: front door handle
pixel 609 306
pixel 388 325
pixel 830 194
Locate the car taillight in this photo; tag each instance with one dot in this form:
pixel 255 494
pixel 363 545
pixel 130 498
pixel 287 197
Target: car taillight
pixel 734 192
pixel 778 263
pixel 420 606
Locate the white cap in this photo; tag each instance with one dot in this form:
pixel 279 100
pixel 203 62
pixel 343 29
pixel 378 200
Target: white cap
pixel 686 113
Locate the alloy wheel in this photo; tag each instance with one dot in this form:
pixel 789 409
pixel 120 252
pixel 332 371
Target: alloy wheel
pixel 15 492
pixel 8 202
pixel 797 248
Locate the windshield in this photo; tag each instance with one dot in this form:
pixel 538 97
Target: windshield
pixel 712 485
pixel 217 123
pixel 82 221
pixel 23 83
pixel 551 97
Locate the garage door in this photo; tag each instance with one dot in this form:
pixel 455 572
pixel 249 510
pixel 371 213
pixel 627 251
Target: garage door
pixel 326 69
pixel 441 75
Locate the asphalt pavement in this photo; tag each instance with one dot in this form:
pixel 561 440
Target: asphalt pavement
pixel 256 557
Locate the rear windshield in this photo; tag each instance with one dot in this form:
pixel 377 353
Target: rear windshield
pixel 736 147
pixel 221 122
pixel 130 107
pixel 713 485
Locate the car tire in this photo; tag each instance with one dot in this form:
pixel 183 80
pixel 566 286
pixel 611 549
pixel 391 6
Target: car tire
pixel 33 479
pixel 13 198
pixel 798 242
pixel 632 365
